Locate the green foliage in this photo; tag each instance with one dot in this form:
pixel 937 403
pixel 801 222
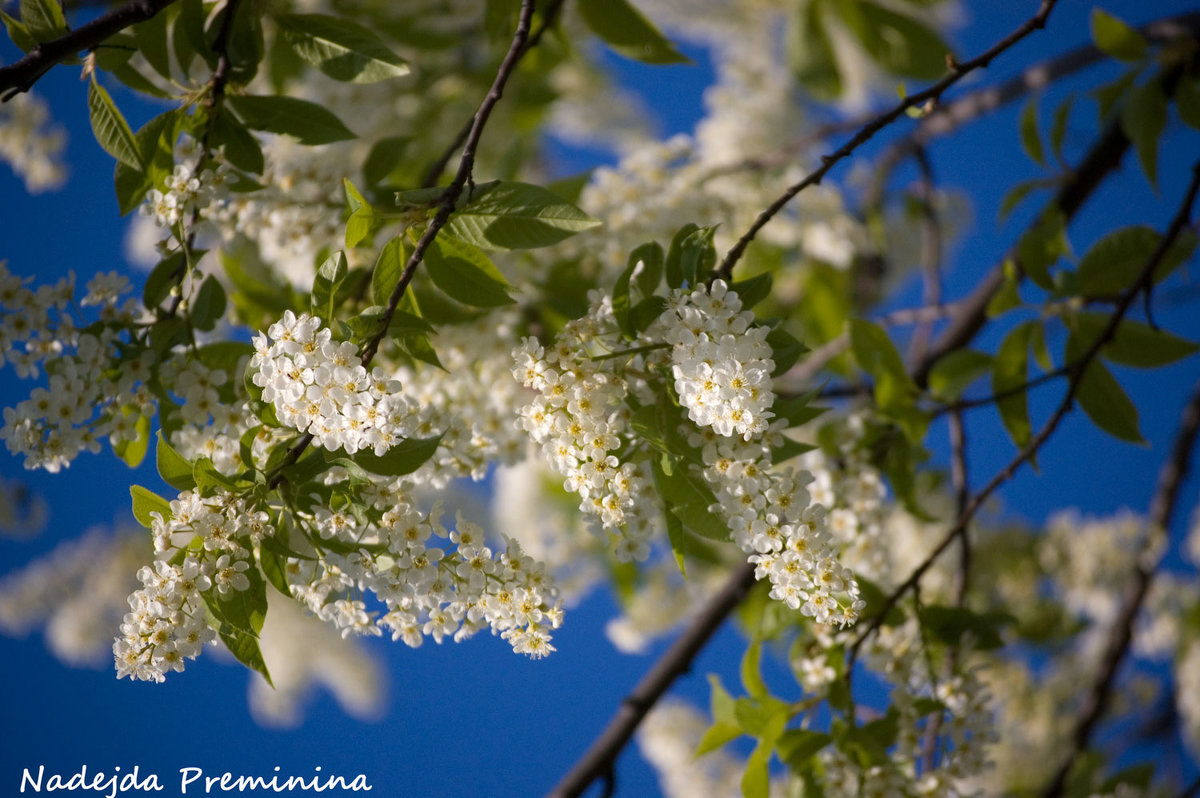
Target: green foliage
pixel 326 287
pixel 629 32
pixel 145 503
pixel 110 127
pixel 1115 37
pixel 341 48
pixel 466 274
pixel 1112 265
pixel 502 216
pixel 43 20
pixel 955 371
pixel 1143 118
pixel 307 122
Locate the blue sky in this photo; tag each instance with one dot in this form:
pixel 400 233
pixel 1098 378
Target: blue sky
pixel 472 718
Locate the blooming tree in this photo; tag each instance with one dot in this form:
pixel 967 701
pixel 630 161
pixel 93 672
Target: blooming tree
pixel 367 284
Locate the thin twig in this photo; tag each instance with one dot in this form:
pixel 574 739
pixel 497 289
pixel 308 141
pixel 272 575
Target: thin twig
pixel 445 206
pixel 929 95
pixel 962 578
pixel 216 97
pixel 434 172
pixel 20 76
pixel 945 119
pixel 1162 508
pixel 600 757
pixel 1031 448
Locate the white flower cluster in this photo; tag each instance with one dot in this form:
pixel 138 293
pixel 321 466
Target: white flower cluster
pixel 317 385
pixel 722 368
pixel 30 146
pixel 472 401
pixel 167 622
pixel 187 193
pixel 579 420
pixel 722 365
pixel 94 391
pixel 772 518
pixel 427 589
pixel 852 490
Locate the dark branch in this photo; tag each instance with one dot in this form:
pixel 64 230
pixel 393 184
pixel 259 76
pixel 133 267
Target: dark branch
pixel 931 94
pixel 1162 509
pixel 435 171
pixel 601 756
pixel 21 75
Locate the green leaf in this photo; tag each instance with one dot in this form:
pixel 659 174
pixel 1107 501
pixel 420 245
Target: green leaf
pixel 1114 37
pixel 403 458
pixel 325 286
pixel 385 155
pixel 342 49
pixel 153 44
pixel 751 670
pixel 674 262
pixel 156 147
pixel 111 129
pixel 797 746
pixel 19 32
pixel 753 290
pixel 798 410
pixel 1058 127
pixel 810 52
pixel 949 624
pixel 388 269
pixel 307 122
pixel 626 30
pixel 649 258
pixel 1042 245
pixel 501 216
pixel 895 391
pixel 1031 139
pixel 697 255
pixel 786 350
pixel 1102 397
pixel 208 307
pixel 954 372
pixel 1187 102
pixel 161 280
pixel 43 19
pixel 239 616
pixel 1134 343
pixel 363 219
pixel 725 726
pixel 1010 370
pixel 274 568
pixel 899 43
pixel 145 502
pixel 466 274
pixel 240 146
pixel 172 467
pixel 1113 263
pixel 133 452
pixel 1143 118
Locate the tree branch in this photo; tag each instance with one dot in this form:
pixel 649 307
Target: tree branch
pixel 1145 277
pixel 600 757
pixel 434 172
pixel 1162 509
pixel 933 93
pixel 445 205
pixel 21 75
